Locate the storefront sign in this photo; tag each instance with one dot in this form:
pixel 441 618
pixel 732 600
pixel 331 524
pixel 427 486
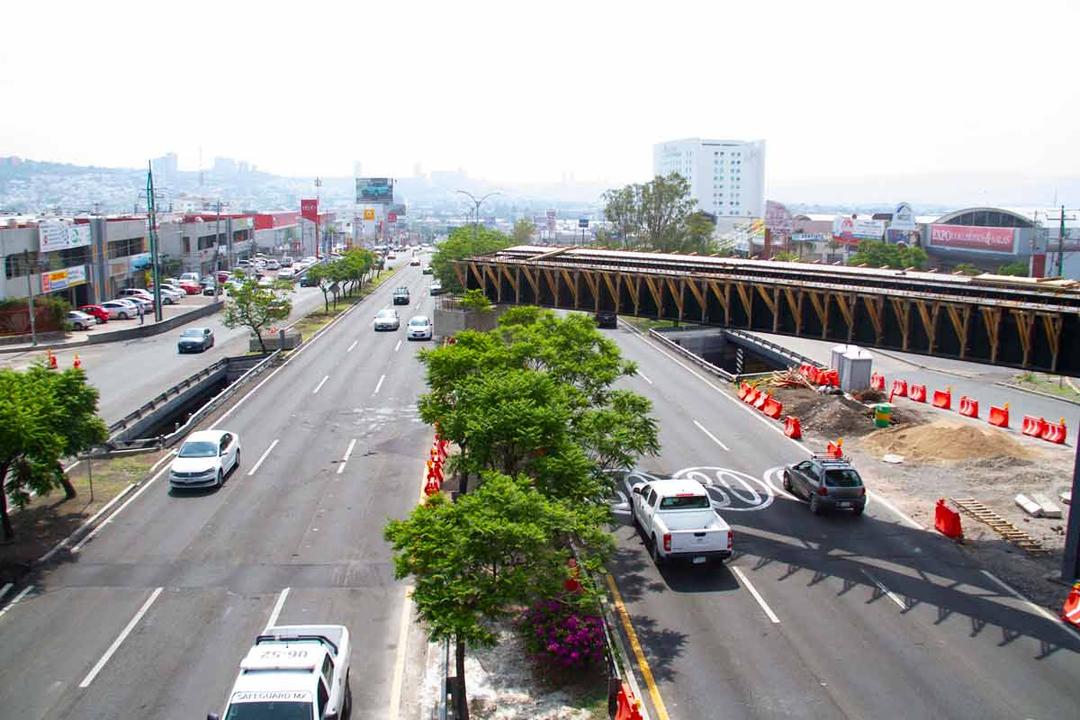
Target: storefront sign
pixel 967 237
pixel 903 218
pixel 142 261
pixel 63 279
pixel 369 213
pixel 60 235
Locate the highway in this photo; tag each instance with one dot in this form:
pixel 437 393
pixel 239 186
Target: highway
pixel 152 615
pixel 818 617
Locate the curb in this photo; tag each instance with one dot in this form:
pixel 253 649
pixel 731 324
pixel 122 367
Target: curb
pixel 1037 392
pixel 83 530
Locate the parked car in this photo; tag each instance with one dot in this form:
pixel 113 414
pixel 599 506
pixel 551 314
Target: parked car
pixel 99 313
pixel 192 276
pixel 286 262
pixel 428 270
pixel 679 523
pixel 80 320
pixel 136 302
pixel 204 460
pixel 191 287
pixel 293 671
pixel 436 288
pixel 308 280
pixel 401 296
pixel 387 319
pixel 120 309
pixel 285 273
pixel 176 291
pixel 195 339
pixel 209 290
pixel 419 328
pixel 222 276
pixel 415 262
pixel 826 483
pixel 273 264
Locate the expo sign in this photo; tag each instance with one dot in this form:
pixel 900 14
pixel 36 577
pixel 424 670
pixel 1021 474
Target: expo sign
pixel 966 237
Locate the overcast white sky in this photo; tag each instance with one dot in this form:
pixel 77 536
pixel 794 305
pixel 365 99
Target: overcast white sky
pixel 521 91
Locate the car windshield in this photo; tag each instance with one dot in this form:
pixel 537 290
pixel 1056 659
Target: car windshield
pixel 842 478
pixel 270 711
pixel 418 322
pixel 192 333
pixel 198 449
pixel 685 502
pixel 386 314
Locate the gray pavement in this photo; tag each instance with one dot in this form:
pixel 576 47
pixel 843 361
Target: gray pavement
pixel 304 528
pixel 945 640
pixel 972 379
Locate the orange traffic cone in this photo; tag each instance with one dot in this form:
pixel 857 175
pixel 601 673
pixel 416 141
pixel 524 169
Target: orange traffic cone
pixel 835 449
pixel 77 364
pixel 52 360
pixel 1070 611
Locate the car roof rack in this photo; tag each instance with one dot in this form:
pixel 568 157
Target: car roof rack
pixel 298 638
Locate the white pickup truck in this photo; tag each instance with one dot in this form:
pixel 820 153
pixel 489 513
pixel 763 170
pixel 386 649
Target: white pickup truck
pixel 679 523
pixel 293 671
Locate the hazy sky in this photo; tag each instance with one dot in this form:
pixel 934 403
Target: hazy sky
pixel 520 91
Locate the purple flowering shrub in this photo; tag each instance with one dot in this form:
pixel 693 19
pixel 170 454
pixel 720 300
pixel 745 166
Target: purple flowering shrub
pixel 563 636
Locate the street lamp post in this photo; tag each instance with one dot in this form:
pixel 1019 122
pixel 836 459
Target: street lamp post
pixel 477 203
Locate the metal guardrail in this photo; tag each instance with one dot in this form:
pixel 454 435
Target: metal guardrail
pixel 696 359
pixel 778 349
pixel 124 423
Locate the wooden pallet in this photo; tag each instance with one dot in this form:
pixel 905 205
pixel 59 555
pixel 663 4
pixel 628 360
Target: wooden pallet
pixel 1000 525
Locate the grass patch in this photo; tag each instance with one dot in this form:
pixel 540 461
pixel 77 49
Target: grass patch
pixel 50 518
pixel 1057 385
pixel 647 324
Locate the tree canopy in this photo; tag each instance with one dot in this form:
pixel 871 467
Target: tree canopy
pixel 45 416
pixel 464 242
pixel 256 307
pixel 523 232
pixel 878 253
pixel 659 215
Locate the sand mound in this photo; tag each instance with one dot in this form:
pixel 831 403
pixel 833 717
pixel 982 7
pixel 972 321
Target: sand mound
pixel 946 440
pixel 835 415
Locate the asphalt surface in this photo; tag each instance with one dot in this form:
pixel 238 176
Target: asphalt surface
pixel 874 617
pixel 305 520
pixel 129 373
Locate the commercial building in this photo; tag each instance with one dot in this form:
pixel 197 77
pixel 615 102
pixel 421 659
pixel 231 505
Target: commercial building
pixel 190 239
pixel 83 260
pixel 278 232
pixel 727 177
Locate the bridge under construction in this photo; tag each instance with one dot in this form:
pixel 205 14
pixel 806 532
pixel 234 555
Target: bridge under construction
pixel 1022 322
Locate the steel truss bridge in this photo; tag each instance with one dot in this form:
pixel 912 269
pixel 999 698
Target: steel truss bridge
pixel 1021 322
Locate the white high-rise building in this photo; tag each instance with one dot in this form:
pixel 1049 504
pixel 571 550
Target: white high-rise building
pixel 727 177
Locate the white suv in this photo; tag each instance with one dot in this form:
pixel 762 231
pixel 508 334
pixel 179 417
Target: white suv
pixel 293 671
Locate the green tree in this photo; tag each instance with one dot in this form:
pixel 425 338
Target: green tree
pixel 464 242
pixel 622 208
pixel 475 300
pixel 786 256
pixel 524 229
pixel 45 416
pixel 878 253
pixel 698 233
pixel 257 307
pixel 473 560
pixel 967 269
pixel 1017 269
pixel 320 274
pixel 656 215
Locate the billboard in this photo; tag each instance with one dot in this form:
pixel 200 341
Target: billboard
pixel 969 237
pixel 59 235
pixel 777 218
pixel 369 213
pixel 309 209
pixel 903 218
pixel 391 217
pixel 141 261
pixel 398 209
pixel 851 231
pixel 63 279
pixel 375 190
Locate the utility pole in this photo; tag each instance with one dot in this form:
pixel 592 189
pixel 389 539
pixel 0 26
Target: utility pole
pixel 151 206
pixel 1061 244
pixel 30 296
pixel 318 187
pixel 477 203
pixel 217 244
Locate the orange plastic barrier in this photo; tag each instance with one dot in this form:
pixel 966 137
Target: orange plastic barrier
pixel 1033 426
pixel 751 396
pixel 761 400
pixel 835 449
pixel 431 486
pixel 792 428
pixel 942 399
pixel 1055 432
pixel 51 360
pixel 1070 611
pixel 917 393
pixel 811 373
pixel 627 706
pixel 435 470
pixel 877 382
pixel 772 408
pixel 999 416
pixel 947 521
pixel 829 377
pixel 969 407
pixel 743 390
pixel 899 388
pixel 77 364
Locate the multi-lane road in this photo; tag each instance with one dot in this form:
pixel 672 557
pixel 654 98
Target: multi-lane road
pixel 151 616
pixel 817 617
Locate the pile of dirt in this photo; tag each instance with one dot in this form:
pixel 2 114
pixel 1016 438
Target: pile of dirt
pixel 835 415
pixel 947 441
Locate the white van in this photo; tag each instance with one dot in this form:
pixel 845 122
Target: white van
pixel 192 276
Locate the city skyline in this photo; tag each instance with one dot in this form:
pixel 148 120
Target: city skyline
pixel 933 89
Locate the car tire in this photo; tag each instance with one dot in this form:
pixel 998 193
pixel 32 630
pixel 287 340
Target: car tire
pixel 787 483
pixel 858 511
pixel 654 550
pixel 815 506
pixel 220 479
pixel 346 707
pixel 123 316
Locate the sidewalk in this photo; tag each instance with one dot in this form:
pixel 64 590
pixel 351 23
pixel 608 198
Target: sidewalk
pixel 188 309
pixel 975 380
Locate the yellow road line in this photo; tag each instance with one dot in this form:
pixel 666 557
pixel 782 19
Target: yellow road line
pixel 646 672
